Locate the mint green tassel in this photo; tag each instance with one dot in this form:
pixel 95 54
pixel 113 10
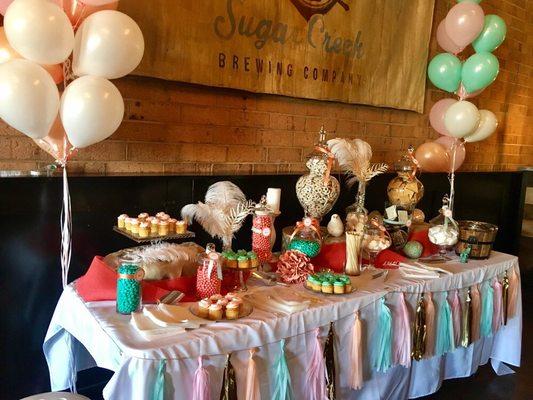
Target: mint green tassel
pixel 282 389
pixel 382 339
pixel 159 385
pixel 487 308
pixel 444 342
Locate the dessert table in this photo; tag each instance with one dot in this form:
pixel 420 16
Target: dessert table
pixel 82 335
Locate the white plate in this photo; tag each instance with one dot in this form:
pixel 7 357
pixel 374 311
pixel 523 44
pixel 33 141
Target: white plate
pixel 247 309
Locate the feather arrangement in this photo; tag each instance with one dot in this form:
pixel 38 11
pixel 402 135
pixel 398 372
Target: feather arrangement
pixel 354 157
pixel 223 212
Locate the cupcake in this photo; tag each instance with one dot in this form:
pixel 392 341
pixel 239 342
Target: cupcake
pixel 215 311
pixel 231 295
pixel 144 229
pixel 347 284
pixel 203 308
pixel 338 287
pixel 142 217
pixel 327 287
pixel 309 282
pixel 160 214
pixel 181 227
pixel 172 225
pixel 316 284
pixel 121 221
pixel 134 222
pixel 242 252
pixel 231 260
pixel 223 302
pixel 232 310
pixel 243 262
pixel 238 300
pixel 127 224
pixel 216 297
pixel 164 217
pixel 254 261
pixel 162 228
pixel 154 226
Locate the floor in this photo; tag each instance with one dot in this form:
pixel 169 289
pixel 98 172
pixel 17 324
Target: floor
pixel 484 385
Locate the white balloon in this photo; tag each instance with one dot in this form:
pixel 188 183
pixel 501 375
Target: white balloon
pixel 91 110
pixel 487 126
pixel 39 30
pixel 29 99
pixel 461 119
pixel 108 44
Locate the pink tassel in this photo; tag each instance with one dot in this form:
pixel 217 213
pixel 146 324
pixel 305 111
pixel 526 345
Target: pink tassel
pixel 402 334
pixel 252 383
pixel 514 283
pixel 497 315
pixel 316 373
pixel 476 314
pixel 356 362
pixel 430 325
pixel 200 386
pixel 455 306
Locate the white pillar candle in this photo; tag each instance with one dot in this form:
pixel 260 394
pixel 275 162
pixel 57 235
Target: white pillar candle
pixel 273 199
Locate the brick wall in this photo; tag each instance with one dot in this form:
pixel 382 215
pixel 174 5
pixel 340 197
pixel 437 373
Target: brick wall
pixel 171 127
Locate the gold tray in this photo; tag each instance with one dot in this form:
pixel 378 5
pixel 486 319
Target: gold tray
pixel 138 239
pixel 247 309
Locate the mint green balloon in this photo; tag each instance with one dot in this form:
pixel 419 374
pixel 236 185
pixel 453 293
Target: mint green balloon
pixel 492 35
pixel 479 71
pixel 444 71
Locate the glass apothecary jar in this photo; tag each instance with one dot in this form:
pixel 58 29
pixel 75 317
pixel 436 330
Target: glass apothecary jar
pixel 405 190
pixel 129 284
pixel 375 240
pixel 262 231
pixel 443 231
pixel 306 237
pixel 318 191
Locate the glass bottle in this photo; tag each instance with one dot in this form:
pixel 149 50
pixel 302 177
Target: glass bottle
pixel 375 240
pixel 356 218
pixel 209 274
pixel 129 289
pixel 318 191
pixel 262 231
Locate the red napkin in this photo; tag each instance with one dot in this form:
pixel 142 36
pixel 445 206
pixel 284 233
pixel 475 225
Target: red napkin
pixel 423 239
pixel 100 283
pixel 332 256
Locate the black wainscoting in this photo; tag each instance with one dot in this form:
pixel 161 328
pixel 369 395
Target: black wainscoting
pixel 30 281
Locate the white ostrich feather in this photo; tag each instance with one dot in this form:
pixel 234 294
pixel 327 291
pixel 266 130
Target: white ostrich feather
pixel 353 157
pixel 223 212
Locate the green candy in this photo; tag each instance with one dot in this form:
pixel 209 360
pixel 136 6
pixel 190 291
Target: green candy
pixel 128 290
pixel 307 247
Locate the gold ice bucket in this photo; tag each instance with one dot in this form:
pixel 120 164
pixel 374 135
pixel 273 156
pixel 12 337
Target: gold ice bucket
pixel 479 235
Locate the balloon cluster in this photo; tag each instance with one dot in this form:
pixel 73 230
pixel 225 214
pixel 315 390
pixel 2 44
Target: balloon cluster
pixel 460 121
pixel 39 42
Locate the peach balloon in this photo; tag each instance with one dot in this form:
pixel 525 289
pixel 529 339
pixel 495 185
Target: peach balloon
pixel 56 143
pixel 460 152
pixel 78 10
pixel 432 157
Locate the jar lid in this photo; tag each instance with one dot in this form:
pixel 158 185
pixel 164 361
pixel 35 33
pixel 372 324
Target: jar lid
pixel 404 164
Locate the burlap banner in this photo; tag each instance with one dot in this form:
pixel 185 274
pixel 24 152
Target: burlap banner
pixel 354 51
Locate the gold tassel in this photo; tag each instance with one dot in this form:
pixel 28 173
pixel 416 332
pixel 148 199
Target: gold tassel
pixel 505 297
pixel 467 321
pixel 419 332
pixel 229 384
pixel 329 355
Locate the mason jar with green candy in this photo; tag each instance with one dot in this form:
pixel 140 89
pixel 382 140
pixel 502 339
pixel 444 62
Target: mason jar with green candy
pixel 129 290
pixel 306 238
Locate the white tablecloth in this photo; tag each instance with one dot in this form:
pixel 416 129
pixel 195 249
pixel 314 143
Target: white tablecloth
pixel 82 335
